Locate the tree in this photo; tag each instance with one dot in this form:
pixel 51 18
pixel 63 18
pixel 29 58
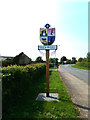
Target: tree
pixel 53 60
pixel 39 59
pixel 63 59
pixel 88 56
pixel 56 61
pixel 74 60
pixel 6 62
pixel 68 62
pixel 80 59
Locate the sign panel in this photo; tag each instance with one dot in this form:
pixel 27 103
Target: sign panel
pixel 47 35
pixel 51 39
pixel 51 32
pixel 44 40
pixel 43 32
pixel 51 47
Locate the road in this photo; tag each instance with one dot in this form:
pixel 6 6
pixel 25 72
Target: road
pixel 81 74
pixel 76 81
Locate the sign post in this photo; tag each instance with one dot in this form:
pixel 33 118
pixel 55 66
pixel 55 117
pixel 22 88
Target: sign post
pixel 47 37
pixel 47 72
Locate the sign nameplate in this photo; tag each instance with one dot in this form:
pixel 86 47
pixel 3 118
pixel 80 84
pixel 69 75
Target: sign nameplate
pixel 47 47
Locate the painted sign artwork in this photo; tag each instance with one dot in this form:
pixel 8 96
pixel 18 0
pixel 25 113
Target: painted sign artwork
pixel 47 36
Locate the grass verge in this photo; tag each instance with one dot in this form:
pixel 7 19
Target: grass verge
pixel 80 67
pixel 31 109
pixel 55 67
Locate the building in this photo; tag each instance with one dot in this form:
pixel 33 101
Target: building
pixel 4 57
pixel 22 59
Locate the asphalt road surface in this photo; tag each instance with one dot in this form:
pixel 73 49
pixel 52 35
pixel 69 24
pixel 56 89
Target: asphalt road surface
pixel 76 81
pixel 81 74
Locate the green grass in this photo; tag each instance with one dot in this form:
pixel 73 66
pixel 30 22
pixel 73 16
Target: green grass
pixel 55 67
pixel 29 108
pixel 80 67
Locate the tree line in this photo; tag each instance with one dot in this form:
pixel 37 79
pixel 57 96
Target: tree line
pixel 63 60
pixel 84 62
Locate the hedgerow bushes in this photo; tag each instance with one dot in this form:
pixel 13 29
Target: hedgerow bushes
pixel 51 65
pixel 16 81
pixel 84 63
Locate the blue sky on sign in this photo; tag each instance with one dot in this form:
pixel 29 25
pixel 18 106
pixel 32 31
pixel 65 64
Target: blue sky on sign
pixel 21 20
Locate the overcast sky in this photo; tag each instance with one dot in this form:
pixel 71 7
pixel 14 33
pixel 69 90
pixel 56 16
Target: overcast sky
pixel 21 20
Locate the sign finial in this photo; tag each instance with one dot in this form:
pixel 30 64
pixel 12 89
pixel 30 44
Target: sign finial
pixel 47 25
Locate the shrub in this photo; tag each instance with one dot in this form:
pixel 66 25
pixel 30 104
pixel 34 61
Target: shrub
pixel 84 63
pixel 51 65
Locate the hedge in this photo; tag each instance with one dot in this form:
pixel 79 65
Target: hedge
pixel 16 80
pixel 83 64
pixel 51 65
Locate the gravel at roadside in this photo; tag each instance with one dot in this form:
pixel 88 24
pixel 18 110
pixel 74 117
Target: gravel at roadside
pixel 78 91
